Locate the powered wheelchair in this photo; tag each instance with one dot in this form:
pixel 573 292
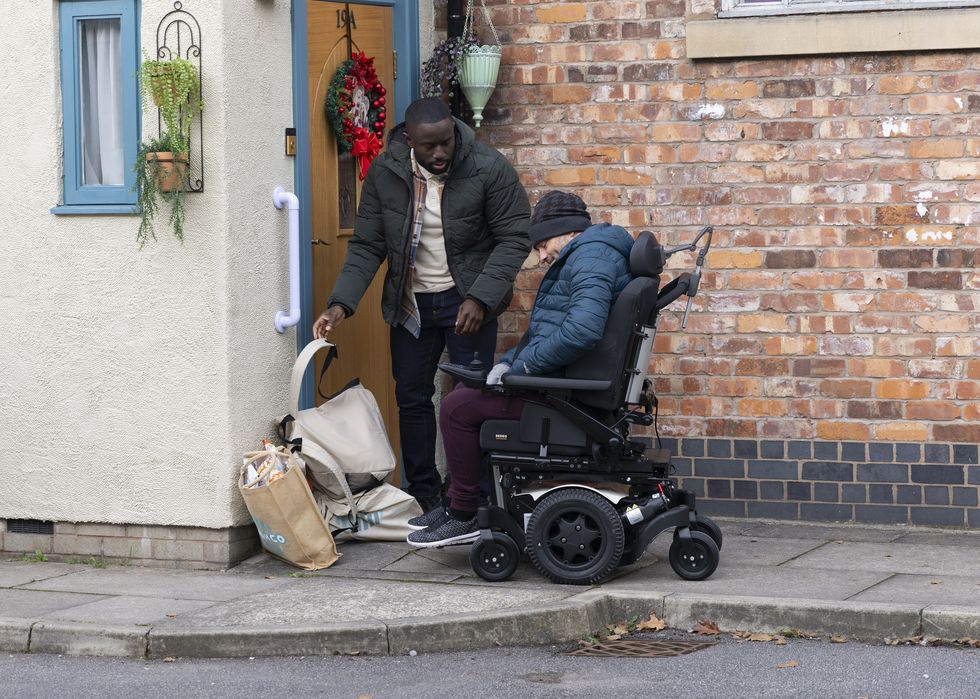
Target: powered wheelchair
pixel 569 486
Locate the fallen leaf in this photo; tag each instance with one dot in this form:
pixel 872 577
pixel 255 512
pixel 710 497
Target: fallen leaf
pixel 614 637
pixel 171 615
pixel 791 663
pixel 760 637
pixel 364 696
pixel 619 628
pixel 780 641
pixel 169 659
pixel 706 627
pixel 838 639
pixel 935 582
pixel 354 652
pixel 652 624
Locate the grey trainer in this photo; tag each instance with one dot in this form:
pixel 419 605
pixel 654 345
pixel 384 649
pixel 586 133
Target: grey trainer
pixel 428 519
pixel 445 532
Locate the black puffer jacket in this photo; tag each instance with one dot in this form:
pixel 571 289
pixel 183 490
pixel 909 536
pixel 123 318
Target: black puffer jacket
pixel 485 218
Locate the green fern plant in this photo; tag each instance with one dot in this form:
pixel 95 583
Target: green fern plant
pixel 150 174
pixel 174 87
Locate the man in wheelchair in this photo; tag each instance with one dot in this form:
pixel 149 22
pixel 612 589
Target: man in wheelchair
pixel 550 422
pixel 589 267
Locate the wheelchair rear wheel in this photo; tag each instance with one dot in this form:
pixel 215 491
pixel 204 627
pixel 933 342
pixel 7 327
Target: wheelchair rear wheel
pixel 575 536
pixel 495 560
pixel 695 558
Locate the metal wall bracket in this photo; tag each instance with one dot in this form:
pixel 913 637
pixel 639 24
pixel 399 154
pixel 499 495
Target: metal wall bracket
pixel 179 35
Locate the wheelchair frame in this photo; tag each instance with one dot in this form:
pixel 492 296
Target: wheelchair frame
pixel 590 499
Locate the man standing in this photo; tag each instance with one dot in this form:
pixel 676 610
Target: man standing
pixel 450 216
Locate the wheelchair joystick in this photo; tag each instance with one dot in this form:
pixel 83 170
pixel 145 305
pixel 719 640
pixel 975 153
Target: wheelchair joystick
pixel 475 363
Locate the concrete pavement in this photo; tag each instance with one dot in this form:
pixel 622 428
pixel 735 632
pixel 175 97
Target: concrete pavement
pixel 386 598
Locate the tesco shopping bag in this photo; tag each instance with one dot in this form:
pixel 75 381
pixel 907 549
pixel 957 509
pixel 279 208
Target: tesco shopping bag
pixel 288 518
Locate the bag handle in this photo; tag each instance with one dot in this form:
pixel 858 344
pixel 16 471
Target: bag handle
pixel 299 369
pixel 321 455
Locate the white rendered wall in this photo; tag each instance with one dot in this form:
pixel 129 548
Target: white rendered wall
pixel 131 381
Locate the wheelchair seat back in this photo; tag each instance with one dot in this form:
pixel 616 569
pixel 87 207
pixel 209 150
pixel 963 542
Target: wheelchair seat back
pixel 615 357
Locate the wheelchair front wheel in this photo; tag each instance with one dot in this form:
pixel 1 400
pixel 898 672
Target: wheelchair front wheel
pixel 695 558
pixel 495 560
pixel 575 536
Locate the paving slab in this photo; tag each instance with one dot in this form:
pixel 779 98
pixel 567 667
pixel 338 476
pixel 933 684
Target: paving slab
pixel 124 609
pixel 800 530
pixel 892 558
pixel 325 600
pixel 421 564
pixel 393 575
pixel 960 538
pixel 924 590
pixel 746 551
pixel 29 604
pixel 787 583
pixel 370 555
pixel 14 573
pixel 154 582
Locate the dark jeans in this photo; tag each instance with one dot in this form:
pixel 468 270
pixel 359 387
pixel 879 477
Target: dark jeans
pixel 413 364
pixel 461 415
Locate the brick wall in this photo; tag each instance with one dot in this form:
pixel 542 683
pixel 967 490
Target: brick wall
pixel 843 299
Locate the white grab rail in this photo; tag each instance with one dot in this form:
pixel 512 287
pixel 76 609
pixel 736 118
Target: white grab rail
pixel 280 197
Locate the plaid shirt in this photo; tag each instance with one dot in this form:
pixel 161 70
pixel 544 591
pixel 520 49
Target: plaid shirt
pixel 409 316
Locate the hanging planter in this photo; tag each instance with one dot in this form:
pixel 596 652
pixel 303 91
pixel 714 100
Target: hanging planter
pixel 479 67
pixel 478 77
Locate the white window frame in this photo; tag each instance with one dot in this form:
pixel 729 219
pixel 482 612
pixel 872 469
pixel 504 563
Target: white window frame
pixel 774 8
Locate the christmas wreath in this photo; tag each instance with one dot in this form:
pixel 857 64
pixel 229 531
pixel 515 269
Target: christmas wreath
pixel 355 108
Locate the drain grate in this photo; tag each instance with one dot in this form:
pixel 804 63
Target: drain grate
pixel 641 649
pixel 29 526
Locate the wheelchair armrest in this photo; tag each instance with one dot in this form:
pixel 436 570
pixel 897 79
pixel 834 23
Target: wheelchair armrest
pixel 468 377
pixel 676 288
pixel 545 382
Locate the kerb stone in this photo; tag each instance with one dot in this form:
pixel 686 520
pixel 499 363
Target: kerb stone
pixel 870 621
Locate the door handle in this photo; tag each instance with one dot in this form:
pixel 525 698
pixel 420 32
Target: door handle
pixel 317 241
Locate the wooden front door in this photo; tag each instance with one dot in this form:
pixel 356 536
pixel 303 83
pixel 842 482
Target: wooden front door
pixel 334 30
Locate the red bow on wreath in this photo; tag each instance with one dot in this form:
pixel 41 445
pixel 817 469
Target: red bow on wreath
pixel 365 148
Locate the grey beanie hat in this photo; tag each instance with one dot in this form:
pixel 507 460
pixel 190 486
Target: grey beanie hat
pixel 558 213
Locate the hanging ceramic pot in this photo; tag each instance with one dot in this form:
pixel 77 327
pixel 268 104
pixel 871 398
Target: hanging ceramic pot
pixel 478 77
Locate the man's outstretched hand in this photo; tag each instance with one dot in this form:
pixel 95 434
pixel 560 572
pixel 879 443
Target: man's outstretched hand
pixel 328 321
pixel 470 317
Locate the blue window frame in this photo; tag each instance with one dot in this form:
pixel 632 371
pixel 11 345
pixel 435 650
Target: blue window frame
pixel 100 100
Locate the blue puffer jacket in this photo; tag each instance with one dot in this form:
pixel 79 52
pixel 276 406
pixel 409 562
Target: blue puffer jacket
pixel 574 300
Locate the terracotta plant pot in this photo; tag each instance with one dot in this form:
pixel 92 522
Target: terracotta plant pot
pixel 171 170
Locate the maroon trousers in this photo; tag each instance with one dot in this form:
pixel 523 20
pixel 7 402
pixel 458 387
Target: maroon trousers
pixel 461 414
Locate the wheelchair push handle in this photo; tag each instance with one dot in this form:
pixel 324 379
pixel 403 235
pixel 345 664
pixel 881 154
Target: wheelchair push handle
pixel 694 278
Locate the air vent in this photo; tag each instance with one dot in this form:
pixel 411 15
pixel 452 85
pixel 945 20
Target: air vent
pixel 29 526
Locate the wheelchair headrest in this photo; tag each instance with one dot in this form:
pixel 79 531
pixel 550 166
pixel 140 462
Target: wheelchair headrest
pixel 647 257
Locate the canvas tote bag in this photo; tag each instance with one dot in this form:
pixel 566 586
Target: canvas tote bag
pixel 348 456
pixel 288 519
pixel 380 514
